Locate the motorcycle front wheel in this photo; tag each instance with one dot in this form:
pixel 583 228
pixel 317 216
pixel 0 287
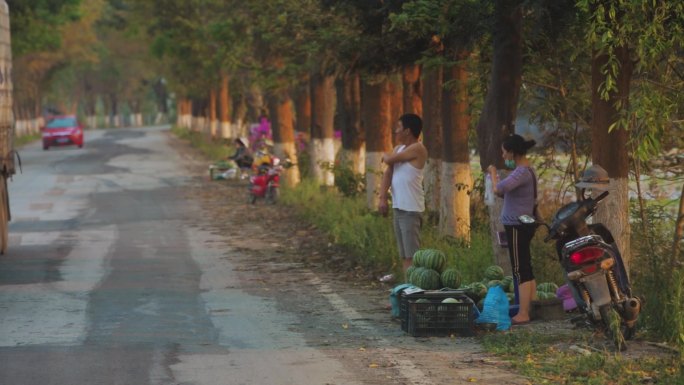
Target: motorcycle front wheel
pixel 615 327
pixel 251 198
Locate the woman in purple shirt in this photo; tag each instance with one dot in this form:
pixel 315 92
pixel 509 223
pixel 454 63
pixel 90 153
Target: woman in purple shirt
pixel 518 191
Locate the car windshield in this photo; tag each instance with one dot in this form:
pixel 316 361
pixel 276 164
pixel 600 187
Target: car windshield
pixel 62 123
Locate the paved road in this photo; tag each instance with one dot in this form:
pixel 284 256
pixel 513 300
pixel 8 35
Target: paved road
pixel 109 279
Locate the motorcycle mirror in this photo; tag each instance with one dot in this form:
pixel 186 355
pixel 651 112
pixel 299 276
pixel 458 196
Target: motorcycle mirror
pixel 526 219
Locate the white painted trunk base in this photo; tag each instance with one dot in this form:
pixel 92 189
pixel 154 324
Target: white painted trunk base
pixel 613 212
pixel 454 212
pixel 374 170
pixel 213 128
pixel 322 151
pixel 226 131
pixel 287 150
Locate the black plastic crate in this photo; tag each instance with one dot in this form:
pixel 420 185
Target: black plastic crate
pixel 434 318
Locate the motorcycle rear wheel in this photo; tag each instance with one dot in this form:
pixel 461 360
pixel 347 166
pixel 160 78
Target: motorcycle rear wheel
pixel 272 195
pixel 615 327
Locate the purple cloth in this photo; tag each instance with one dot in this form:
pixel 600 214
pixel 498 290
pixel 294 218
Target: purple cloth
pixel 518 194
pixel 565 294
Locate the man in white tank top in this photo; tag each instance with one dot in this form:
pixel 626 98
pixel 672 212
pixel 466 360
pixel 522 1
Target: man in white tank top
pixel 404 175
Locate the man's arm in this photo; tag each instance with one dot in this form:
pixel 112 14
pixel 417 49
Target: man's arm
pixel 410 153
pixel 385 184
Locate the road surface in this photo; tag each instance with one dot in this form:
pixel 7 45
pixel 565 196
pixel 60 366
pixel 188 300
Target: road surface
pixel 124 267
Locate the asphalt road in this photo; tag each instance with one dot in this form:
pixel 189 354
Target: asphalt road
pixel 108 278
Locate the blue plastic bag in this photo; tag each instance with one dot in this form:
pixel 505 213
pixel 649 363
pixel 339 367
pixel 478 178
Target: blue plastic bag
pixel 495 309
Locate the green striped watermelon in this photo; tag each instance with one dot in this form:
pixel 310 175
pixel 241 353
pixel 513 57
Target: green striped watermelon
pixel 547 287
pixel 426 279
pixel 451 278
pixel 494 272
pixel 430 258
pixel 408 272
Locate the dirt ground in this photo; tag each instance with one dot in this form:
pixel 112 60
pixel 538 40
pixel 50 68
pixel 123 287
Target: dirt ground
pixel 342 310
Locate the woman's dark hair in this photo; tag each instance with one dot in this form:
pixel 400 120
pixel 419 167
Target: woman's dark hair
pixel 517 144
pixel 413 122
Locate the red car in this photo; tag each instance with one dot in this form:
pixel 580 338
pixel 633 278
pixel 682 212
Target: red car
pixel 62 130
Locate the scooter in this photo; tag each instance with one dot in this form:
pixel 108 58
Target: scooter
pixel 266 183
pixel 594 268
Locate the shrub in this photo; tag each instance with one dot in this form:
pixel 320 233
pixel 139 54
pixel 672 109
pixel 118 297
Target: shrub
pixel 655 277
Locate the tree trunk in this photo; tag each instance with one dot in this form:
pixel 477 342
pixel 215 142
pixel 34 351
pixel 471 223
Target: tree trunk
pixel 114 111
pixel 609 149
pixel 162 96
pixel 213 122
pixel 500 108
pixel 377 123
pixel 322 131
pixel 239 126
pixel 224 106
pixel 303 112
pixel 282 126
pixel 353 137
pixel 678 236
pixel 413 90
pixel 432 138
pixel 454 220
pixel 501 102
pixel 396 90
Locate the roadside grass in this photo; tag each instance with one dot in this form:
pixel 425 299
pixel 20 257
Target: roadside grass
pixel 214 150
pixel 26 139
pixel 567 358
pixel 369 238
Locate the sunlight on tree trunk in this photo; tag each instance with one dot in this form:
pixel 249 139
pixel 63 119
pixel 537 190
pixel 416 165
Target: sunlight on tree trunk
pixel 456 179
pixel 454 206
pixel 413 92
pixel 322 144
pixel 224 106
pixel 282 123
pixel 376 110
pixel 213 122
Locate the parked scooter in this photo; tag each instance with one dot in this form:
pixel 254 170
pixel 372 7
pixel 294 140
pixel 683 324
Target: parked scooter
pixel 266 183
pixel 593 263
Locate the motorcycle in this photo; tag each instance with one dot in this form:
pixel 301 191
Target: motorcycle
pixel 266 183
pixel 594 268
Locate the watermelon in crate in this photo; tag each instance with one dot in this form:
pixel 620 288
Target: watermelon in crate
pixel 430 258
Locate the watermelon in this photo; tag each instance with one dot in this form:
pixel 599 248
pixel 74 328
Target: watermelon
pixel 415 273
pixel 426 279
pixel 451 300
pixel 507 282
pixel 494 282
pixel 476 290
pixel 547 287
pixel 542 295
pixel 408 273
pixel 494 272
pixel 430 258
pixel 451 278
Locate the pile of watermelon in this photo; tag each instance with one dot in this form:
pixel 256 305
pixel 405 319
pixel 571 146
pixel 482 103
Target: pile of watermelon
pixel 429 271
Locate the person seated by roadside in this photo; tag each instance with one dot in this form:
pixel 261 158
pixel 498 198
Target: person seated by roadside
pixel 243 155
pixel 263 158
